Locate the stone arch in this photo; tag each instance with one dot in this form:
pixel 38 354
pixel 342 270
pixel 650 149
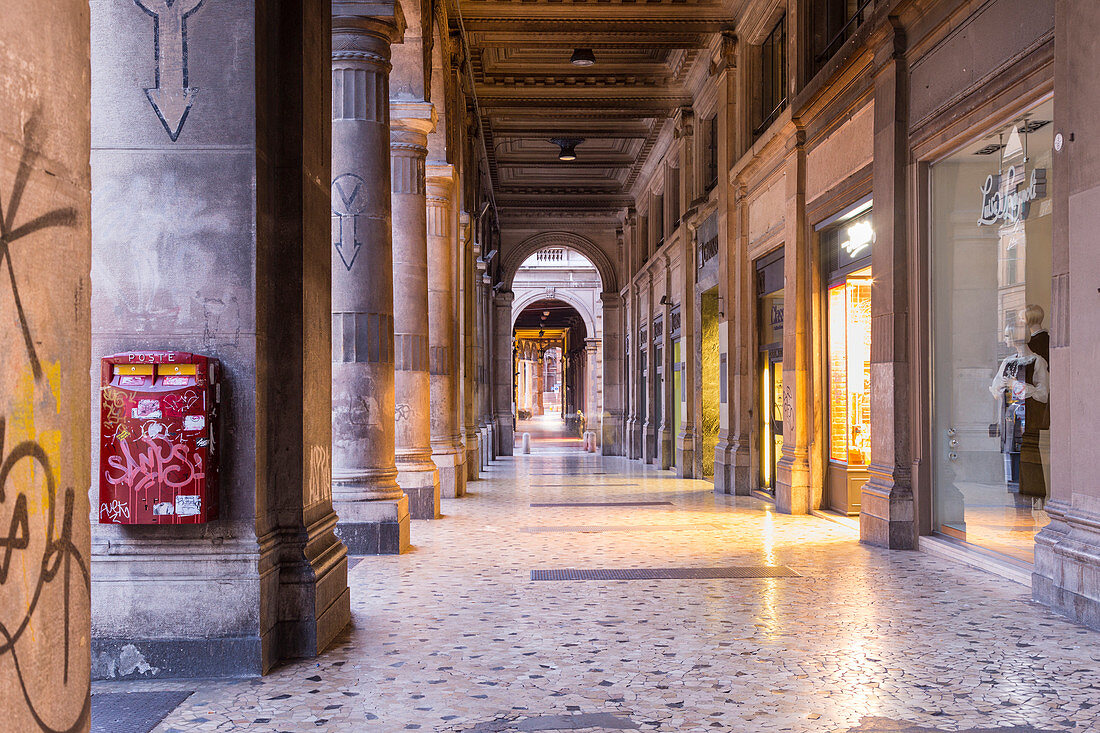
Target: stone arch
pixel 519 254
pixel 564 296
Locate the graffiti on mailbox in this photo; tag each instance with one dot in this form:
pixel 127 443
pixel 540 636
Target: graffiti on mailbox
pixel 152 461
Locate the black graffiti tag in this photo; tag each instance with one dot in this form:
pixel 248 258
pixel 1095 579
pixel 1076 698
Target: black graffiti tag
pixel 10 233
pixel 60 559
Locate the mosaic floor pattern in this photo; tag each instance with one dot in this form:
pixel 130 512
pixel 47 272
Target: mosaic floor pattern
pixel 455 636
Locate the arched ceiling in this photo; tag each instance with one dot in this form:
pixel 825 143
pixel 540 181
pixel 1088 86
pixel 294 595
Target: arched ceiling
pixel 528 92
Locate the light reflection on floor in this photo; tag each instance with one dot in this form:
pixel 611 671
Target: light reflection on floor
pixel 454 634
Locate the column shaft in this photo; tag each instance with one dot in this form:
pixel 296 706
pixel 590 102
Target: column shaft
pixel 448 452
pixel 502 373
pixel 417 473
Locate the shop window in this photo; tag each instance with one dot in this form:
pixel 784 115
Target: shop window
pixel 846 243
pixel 773 76
pixel 991 234
pixel 833 23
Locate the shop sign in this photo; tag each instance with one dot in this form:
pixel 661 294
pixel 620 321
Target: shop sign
pixel 1010 207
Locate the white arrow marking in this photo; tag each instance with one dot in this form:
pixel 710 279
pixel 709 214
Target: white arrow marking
pixel 171 97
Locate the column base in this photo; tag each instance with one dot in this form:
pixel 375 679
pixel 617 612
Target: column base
pixel 1067 564
pixel 792 485
pixel 504 437
pixel 731 469
pixel 473 460
pixel 420 482
pixel 649 445
pixel 182 658
pixel 374 527
pixel 685 457
pixel 887 516
pixel 473 454
pixel 310 603
pixel 665 458
pixel 634 441
pixel 611 430
pixel 451 464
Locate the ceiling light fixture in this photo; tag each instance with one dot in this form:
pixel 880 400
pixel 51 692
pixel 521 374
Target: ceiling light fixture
pixel 568 147
pixel 582 57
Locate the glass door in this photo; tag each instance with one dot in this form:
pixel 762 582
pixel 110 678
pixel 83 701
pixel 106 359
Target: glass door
pixel 771 412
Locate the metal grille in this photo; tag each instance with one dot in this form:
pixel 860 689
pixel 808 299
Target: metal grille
pixel 133 712
pixel 607 503
pixel 745 571
pixel 624 528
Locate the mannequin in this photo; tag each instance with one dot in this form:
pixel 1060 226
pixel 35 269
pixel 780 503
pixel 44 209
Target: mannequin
pixel 1022 385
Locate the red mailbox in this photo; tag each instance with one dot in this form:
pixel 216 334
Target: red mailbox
pixel 158 459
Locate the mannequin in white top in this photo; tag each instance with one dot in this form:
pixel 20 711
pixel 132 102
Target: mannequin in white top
pixel 1022 384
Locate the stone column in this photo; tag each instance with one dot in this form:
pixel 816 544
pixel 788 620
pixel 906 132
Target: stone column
pixel 736 291
pixel 613 390
pixel 887 510
pixel 793 490
pixel 485 387
pixel 634 437
pixel 45 254
pixel 648 428
pixel 502 373
pixel 446 423
pixel 410 123
pixel 1067 551
pixel 471 283
pixel 373 510
pixel 592 412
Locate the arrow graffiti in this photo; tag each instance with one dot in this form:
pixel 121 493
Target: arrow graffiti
pixel 347 204
pixel 171 97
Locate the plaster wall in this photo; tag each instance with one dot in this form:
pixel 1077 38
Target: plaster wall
pixel 44 325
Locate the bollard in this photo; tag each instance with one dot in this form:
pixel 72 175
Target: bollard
pixel 526 443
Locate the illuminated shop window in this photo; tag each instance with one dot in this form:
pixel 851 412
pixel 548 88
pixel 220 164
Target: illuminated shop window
pixel 850 369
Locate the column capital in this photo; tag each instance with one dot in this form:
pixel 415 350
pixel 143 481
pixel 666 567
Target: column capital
pixel 414 119
pixel 611 299
pixel 353 20
pixel 440 179
pixel 503 298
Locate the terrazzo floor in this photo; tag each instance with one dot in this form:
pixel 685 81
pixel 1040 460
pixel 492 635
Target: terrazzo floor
pixel 455 636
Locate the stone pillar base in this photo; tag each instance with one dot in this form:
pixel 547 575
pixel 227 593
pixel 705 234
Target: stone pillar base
pixel 451 463
pixel 792 485
pixel 314 601
pixel 685 460
pixel 473 458
pixel 886 517
pixel 505 437
pixel 731 469
pixel 378 527
pixel 649 445
pixel 664 449
pixel 134 658
pixel 1067 563
pixel 611 429
pixel 420 482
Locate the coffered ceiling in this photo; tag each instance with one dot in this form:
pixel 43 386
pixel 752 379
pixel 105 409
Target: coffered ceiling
pixel 528 92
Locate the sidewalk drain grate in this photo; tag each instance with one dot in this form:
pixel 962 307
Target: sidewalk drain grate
pixel 605 503
pixel 133 712
pixel 743 571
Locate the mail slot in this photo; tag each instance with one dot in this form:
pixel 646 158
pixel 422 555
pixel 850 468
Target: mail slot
pixel 158 457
